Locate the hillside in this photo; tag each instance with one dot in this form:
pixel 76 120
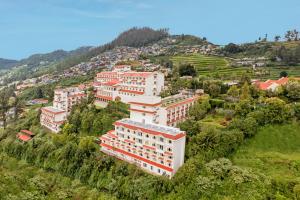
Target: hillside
pixel 7 64
pixel 275 152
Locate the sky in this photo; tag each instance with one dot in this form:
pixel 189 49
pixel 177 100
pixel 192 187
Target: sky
pixel 40 26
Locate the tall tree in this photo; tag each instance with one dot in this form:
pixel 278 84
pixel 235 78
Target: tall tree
pixel 245 91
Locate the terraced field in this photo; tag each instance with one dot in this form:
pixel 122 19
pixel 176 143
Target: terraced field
pixel 210 65
pixel 293 71
pixel 201 62
pixel 218 67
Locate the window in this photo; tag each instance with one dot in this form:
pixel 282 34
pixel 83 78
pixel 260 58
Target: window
pixel 151 167
pixel 161 147
pixel 140 141
pixel 162 162
pixel 170 141
pixel 161 139
pixel 145 165
pixel 169 149
pixel 147 136
pixel 158 170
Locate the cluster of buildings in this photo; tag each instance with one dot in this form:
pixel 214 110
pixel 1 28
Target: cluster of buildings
pixel 122 84
pixel 52 117
pixel 148 138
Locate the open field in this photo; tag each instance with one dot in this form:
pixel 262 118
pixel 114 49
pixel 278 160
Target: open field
pixel 274 151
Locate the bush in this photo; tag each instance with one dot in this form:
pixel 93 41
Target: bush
pixel 216 103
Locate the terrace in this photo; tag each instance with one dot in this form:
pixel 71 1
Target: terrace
pixel 150 127
pixel 173 100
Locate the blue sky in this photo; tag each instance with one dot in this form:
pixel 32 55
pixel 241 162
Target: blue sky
pixel 39 26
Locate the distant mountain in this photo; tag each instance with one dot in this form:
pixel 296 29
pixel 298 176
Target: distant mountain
pixel 134 37
pixel 55 56
pixel 7 64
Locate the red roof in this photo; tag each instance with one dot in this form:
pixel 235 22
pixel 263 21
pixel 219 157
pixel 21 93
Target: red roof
pixel 137 74
pixel 265 85
pixel 27 132
pixel 24 137
pixel 112 82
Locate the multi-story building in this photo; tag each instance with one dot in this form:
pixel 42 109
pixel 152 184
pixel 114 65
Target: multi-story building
pixel 124 86
pixel 168 111
pixel 156 148
pixel 52 117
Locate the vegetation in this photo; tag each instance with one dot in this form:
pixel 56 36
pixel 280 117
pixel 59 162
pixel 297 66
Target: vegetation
pixel 21 181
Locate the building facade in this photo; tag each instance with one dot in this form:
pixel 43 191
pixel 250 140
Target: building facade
pixel 155 148
pixel 52 117
pixel 124 86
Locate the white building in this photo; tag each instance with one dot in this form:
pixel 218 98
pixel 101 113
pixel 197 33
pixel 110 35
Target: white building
pixel 168 111
pixel 52 117
pixel 124 86
pixel 140 140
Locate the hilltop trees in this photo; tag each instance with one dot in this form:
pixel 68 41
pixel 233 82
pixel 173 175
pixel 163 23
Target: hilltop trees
pixel 292 35
pixel 187 70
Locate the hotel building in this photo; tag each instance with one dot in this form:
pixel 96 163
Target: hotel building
pixel 125 85
pixel 158 149
pixel 147 139
pixel 52 117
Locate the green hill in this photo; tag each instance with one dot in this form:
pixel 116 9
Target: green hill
pixel 274 151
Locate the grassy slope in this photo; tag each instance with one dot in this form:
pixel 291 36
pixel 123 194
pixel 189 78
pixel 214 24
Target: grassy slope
pixel 19 180
pixel 274 151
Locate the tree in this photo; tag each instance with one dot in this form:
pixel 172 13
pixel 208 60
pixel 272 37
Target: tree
pixel 245 78
pixel 245 92
pixel 4 105
pixel 200 109
pixel 233 91
pixel 187 70
pixel 293 90
pixel 283 74
pixel 232 48
pixel 214 89
pixel 277 38
pixel 276 111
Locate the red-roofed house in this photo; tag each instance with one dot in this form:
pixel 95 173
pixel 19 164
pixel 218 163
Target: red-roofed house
pixel 272 84
pixel 25 135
